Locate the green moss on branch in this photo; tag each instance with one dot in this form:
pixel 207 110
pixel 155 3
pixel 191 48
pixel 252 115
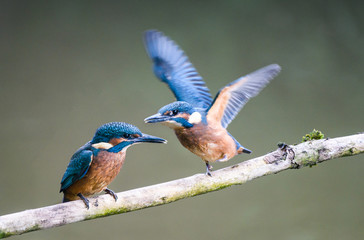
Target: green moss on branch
pixel 314 135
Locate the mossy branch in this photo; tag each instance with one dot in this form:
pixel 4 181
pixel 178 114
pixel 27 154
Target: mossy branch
pixel 286 157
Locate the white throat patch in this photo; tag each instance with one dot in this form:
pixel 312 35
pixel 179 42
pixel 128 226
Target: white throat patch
pixel 195 118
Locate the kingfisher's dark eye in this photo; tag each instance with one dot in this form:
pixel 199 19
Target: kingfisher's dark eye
pixel 126 135
pixel 173 113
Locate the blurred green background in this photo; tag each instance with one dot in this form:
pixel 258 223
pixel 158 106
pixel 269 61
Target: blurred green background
pixel 69 66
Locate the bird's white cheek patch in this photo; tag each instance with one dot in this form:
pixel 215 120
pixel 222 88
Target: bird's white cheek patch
pixel 102 145
pixel 195 118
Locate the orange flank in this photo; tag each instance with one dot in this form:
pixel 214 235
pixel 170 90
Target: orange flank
pixel 209 142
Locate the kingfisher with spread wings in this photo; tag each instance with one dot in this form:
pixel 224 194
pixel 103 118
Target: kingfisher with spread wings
pixel 199 121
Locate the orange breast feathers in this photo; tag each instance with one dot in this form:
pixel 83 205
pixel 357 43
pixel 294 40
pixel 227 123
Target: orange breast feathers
pixel 211 143
pixel 103 169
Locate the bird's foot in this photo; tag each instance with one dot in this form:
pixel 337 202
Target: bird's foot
pixel 283 153
pixel 108 191
pixel 208 168
pixel 85 200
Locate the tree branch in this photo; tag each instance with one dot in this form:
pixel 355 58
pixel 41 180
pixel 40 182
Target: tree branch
pixel 285 157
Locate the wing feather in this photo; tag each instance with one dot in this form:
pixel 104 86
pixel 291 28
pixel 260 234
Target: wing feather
pixel 172 66
pixel 231 99
pixel 77 168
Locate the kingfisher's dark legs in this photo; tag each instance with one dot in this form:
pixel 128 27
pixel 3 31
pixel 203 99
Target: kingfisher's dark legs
pixel 208 168
pixel 85 200
pixel 108 191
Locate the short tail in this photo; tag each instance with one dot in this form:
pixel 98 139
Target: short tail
pixel 244 150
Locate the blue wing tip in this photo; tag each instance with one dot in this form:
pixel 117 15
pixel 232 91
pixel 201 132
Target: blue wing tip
pixel 150 32
pixel 273 68
pixel 269 72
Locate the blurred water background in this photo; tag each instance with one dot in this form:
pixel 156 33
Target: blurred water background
pixel 66 67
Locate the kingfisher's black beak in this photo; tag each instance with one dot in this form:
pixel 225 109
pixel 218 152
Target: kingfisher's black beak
pixel 149 138
pixel 157 118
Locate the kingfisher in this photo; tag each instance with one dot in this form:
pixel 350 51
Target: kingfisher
pixel 199 121
pixel 95 165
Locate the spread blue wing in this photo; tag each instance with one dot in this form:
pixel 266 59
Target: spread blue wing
pixel 172 66
pixel 231 99
pixel 77 168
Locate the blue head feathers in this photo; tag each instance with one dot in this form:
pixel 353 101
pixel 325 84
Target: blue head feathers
pixel 177 107
pixel 115 130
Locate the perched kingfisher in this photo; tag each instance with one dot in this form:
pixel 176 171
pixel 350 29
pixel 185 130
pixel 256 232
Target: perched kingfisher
pixel 95 165
pixel 198 121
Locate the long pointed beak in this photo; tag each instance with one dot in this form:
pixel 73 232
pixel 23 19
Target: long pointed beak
pixel 149 138
pixel 157 118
